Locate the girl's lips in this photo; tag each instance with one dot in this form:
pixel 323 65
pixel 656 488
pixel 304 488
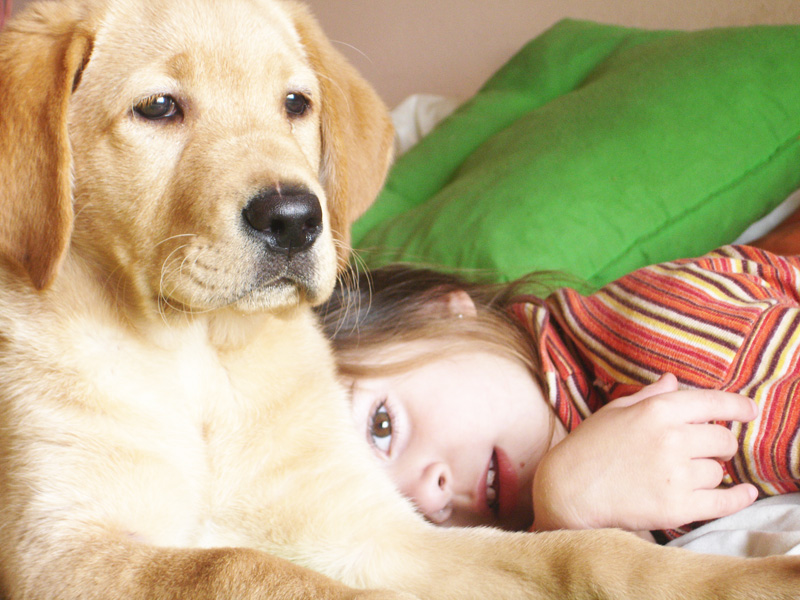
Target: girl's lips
pixel 498 487
pixel 508 484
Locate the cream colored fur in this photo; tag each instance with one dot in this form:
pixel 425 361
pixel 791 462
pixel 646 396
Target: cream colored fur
pixel 170 426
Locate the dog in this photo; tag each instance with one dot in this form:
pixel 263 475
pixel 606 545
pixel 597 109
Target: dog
pixel 176 188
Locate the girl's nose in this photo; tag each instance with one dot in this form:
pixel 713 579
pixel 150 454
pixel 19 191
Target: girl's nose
pixel 433 493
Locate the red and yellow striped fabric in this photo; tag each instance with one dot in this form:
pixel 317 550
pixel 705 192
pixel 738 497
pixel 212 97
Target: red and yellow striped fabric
pixel 729 320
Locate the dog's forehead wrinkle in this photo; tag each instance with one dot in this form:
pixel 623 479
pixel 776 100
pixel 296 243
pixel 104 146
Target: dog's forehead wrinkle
pixel 261 30
pixel 238 26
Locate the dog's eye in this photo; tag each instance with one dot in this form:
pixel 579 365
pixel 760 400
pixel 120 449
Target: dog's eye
pixel 296 104
pixel 158 107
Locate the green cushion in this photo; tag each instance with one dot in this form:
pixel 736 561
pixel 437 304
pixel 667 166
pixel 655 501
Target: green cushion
pixel 598 149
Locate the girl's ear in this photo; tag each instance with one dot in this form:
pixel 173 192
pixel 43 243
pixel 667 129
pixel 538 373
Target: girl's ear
pixel 460 303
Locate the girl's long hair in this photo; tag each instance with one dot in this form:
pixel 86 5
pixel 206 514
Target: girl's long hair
pixel 369 318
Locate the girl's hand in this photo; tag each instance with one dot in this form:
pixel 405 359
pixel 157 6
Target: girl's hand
pixel 646 461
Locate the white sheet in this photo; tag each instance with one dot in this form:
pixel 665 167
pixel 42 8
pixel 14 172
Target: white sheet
pixel 765 225
pixel 416 116
pixel 770 526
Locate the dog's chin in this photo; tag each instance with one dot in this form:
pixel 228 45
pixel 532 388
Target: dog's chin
pixel 286 293
pixel 276 295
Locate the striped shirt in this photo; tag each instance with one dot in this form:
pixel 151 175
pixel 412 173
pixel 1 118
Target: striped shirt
pixel 729 320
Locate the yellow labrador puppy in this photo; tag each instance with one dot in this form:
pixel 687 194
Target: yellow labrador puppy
pixel 177 180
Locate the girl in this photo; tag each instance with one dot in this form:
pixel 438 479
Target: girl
pixel 471 396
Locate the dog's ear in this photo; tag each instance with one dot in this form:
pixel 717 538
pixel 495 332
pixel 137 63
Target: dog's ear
pixel 42 54
pixel 357 132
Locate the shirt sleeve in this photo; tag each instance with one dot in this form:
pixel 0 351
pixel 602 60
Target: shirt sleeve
pixel 727 321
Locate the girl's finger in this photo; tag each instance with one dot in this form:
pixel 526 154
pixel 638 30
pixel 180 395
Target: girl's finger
pixel 702 406
pixel 666 383
pixel 711 441
pixel 706 474
pixel 714 504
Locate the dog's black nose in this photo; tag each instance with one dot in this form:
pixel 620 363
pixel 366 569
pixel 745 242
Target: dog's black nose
pixel 288 220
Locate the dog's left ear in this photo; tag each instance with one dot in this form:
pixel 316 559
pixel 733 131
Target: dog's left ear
pixel 42 53
pixel 357 132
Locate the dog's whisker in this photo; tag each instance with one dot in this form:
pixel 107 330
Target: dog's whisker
pixel 349 278
pixel 356 48
pixel 345 98
pixel 174 237
pixel 167 270
pixel 188 310
pixel 84 206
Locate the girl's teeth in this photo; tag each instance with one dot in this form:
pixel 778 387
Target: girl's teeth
pixel 491 494
pixel 491 491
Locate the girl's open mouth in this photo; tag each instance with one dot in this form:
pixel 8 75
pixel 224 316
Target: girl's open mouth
pixel 493 486
pixel 501 488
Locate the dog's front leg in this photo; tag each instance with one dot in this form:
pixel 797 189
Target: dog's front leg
pixel 110 569
pixel 590 565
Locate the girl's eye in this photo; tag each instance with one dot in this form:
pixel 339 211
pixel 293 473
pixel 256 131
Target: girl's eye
pixel 380 428
pixel 156 108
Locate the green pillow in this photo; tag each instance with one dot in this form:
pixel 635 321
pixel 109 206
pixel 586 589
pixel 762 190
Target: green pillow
pixel 598 149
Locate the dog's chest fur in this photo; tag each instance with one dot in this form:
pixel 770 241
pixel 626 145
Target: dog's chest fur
pixel 182 402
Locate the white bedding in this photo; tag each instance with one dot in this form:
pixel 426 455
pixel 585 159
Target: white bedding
pixel 765 225
pixel 416 116
pixel 770 526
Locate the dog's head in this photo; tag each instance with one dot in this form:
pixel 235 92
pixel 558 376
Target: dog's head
pixel 201 153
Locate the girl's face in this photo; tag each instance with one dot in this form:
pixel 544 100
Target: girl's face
pixel 461 436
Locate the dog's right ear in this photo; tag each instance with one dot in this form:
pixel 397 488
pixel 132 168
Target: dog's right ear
pixel 42 54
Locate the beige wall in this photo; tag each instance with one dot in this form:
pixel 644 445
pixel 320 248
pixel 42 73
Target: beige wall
pixel 450 47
